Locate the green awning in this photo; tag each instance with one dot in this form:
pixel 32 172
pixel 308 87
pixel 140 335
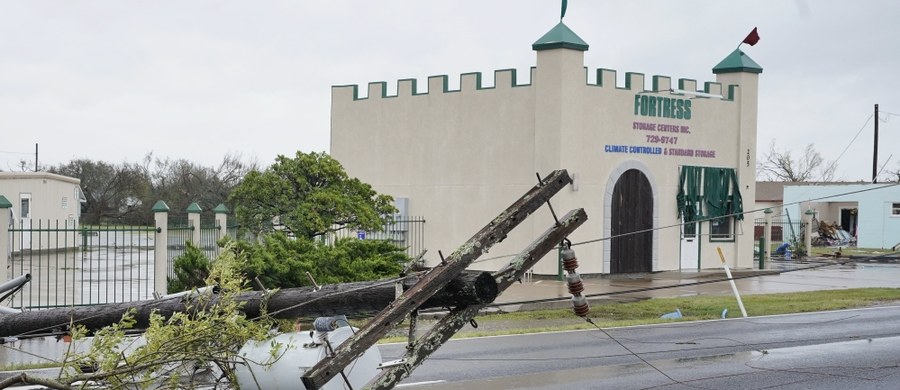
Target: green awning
pixel 708 192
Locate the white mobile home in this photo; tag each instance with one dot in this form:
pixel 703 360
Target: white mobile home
pixel 41 199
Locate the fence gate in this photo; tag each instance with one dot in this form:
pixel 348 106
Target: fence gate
pixel 783 231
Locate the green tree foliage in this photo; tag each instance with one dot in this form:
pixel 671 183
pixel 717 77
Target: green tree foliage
pixel 192 269
pixel 280 261
pixel 307 196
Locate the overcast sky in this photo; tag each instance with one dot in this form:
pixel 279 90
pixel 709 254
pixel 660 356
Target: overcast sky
pixel 115 80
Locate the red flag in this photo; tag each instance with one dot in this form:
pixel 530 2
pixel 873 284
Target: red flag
pixel 752 38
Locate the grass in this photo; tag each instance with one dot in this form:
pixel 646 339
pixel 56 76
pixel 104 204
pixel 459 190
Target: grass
pixel 692 309
pixel 707 307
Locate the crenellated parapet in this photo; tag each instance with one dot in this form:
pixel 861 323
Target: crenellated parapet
pixel 508 78
pixel 473 81
pixel 662 84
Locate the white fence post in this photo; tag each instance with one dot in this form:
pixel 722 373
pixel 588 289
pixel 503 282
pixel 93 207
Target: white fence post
pixel 767 236
pixel 194 222
pixel 161 247
pixel 5 205
pixel 807 239
pixel 221 219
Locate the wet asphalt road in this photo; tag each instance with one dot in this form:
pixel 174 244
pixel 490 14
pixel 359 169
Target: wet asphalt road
pixel 857 349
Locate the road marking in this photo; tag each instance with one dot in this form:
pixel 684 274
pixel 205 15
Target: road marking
pixel 419 383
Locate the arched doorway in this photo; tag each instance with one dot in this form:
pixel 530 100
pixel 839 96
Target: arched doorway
pixel 631 211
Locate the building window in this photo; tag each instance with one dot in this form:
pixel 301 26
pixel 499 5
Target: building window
pixel 25 210
pixel 690 229
pixel 895 210
pixel 720 229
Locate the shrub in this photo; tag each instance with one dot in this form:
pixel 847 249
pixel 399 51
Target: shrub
pixel 192 269
pixel 282 262
pixel 279 261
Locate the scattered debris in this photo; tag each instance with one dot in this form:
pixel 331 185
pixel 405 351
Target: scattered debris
pixel 673 315
pixel 782 248
pixel 832 235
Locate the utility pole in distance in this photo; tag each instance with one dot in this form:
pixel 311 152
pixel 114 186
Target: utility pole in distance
pixel 875 154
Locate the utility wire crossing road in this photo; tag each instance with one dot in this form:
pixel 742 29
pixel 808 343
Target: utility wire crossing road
pixel 828 350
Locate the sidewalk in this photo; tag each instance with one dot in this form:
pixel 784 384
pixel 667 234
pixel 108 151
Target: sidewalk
pixel 835 277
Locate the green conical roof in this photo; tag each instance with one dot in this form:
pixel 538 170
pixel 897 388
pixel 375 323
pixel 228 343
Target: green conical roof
pixel 221 209
pixel 4 203
pixel 736 62
pixel 194 208
pixel 160 207
pixel 560 36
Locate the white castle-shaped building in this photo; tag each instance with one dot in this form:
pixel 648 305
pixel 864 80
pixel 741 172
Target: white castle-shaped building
pixel 644 158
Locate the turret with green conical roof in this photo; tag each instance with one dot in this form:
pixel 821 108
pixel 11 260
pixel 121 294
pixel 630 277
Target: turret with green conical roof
pixel 737 61
pixel 559 70
pixel 560 37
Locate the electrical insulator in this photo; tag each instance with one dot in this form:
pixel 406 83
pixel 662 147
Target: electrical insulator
pixel 569 261
pixel 580 306
pixel 575 284
pixel 573 280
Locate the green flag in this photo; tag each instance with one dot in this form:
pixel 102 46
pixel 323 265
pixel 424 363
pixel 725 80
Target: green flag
pixel 562 13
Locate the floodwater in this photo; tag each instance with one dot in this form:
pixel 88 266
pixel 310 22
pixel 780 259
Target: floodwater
pixel 98 267
pixel 83 277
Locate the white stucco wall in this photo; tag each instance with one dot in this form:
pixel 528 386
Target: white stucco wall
pixel 463 156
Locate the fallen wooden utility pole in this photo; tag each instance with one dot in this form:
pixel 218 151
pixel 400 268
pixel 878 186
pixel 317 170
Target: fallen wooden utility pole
pixel 434 280
pixel 461 315
pixel 362 298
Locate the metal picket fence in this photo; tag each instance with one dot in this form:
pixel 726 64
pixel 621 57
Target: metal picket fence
pixel 179 233
pixel 80 265
pixel 783 230
pixel 99 264
pixel 407 233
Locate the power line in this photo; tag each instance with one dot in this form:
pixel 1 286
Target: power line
pixel 390 281
pixel 680 285
pixel 863 127
pixel 678 225
pixel 22 153
pixel 590 321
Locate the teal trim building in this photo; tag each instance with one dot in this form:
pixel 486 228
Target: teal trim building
pixel 461 156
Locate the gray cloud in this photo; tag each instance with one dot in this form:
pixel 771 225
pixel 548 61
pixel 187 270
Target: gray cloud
pixel 115 80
